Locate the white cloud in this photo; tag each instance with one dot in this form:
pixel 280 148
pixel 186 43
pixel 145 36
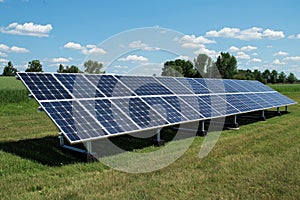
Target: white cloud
pixel 247 34
pixel 242 55
pixel 254 54
pixel 248 48
pixel 16 49
pixel 29 29
pixel 294 36
pixel 134 58
pixel 13 49
pixel 4 47
pixel 280 53
pixel 278 62
pixel 292 58
pixel 60 60
pixel 3 54
pixel 3 60
pixel 89 49
pixel 193 42
pixel 274 35
pixel 121 67
pixel 140 45
pixel 256 60
pixel 244 48
pixel 73 45
pixel 204 50
pixel 233 49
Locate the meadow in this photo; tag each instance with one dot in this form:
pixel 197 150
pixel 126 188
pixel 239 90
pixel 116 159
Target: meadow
pixel 259 161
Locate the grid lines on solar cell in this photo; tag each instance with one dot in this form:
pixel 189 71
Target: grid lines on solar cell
pixel 109 116
pixel 236 102
pixel 182 107
pixel 164 109
pixel 44 86
pixel 214 85
pixel 109 86
pixel 174 85
pixel 269 97
pixel 144 85
pixel 73 120
pixel 143 115
pixel 77 85
pixel 193 85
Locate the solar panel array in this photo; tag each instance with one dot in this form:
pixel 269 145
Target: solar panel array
pixel 87 107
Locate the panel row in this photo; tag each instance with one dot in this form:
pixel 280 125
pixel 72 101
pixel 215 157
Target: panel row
pixel 46 86
pixel 91 119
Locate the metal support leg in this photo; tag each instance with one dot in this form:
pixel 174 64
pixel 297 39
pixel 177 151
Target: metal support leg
pixel 158 141
pixel 61 139
pixel 89 147
pixel 286 108
pixel 263 117
pixel 278 112
pixel 235 119
pixel 201 130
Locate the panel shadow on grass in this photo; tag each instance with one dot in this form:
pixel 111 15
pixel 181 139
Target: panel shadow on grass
pixel 42 150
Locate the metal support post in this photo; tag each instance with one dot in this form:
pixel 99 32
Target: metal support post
pixel 201 131
pixel 158 141
pixel 263 117
pixel 278 112
pixel 286 108
pixel 89 147
pixel 61 139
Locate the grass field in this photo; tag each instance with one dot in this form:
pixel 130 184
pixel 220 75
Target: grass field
pixel 260 161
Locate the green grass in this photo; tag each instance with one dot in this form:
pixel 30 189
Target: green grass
pixel 286 88
pixel 260 161
pixel 12 91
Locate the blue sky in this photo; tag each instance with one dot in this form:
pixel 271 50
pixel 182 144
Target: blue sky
pixel 261 34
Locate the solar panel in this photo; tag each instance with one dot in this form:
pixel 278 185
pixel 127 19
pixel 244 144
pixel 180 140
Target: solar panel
pixel 86 107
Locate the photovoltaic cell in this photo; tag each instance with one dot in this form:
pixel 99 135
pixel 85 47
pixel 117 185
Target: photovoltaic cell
pixel 164 109
pixel 175 86
pixel 109 116
pixel 109 86
pixel 73 120
pixel 144 85
pixel 142 114
pixel 44 86
pixel 194 85
pixel 78 85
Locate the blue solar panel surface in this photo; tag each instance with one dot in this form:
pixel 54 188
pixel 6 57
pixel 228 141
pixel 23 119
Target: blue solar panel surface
pixel 87 107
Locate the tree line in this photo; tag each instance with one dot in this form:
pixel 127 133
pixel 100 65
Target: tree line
pixel 90 66
pixel 224 67
pixel 203 66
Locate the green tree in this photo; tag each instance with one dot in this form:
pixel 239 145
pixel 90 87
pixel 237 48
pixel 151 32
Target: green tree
pixel 179 68
pixel 274 76
pixel 34 66
pixel 258 76
pixel 227 65
pixel 291 78
pixel 9 70
pixel 266 75
pixel 93 67
pixel 72 69
pixel 202 64
pixel 281 77
pixel 244 75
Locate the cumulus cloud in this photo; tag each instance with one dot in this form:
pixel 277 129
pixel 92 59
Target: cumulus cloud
pixel 3 54
pixel 73 45
pixel 191 41
pixel 120 66
pixel 294 36
pixel 244 48
pixel 134 58
pixel 292 58
pixel 242 55
pixel 257 60
pixel 16 49
pixel 278 62
pixel 140 45
pixel 3 60
pixel 60 60
pixel 204 50
pixel 280 53
pixel 247 34
pixel 89 49
pixel 29 29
